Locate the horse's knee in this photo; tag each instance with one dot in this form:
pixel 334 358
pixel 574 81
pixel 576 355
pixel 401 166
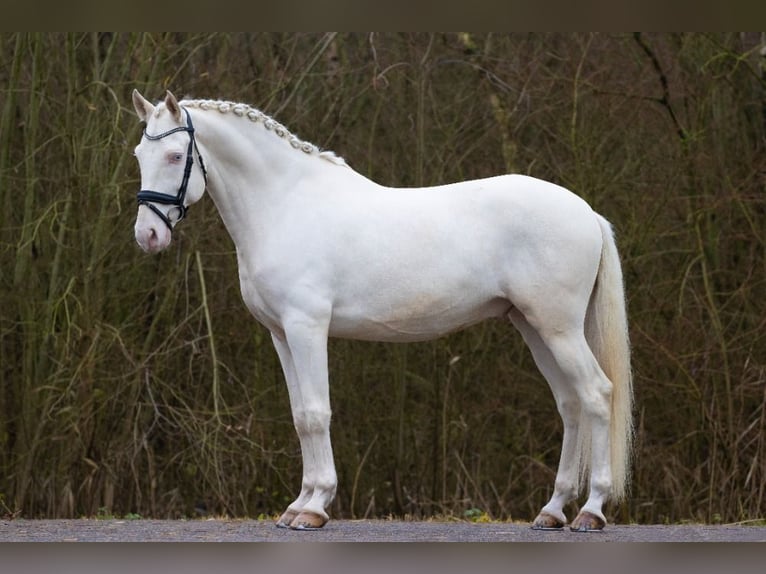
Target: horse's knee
pixel 312 421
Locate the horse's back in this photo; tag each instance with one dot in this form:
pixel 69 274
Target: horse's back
pixel 468 227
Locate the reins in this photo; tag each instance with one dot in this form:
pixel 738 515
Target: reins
pixel 149 198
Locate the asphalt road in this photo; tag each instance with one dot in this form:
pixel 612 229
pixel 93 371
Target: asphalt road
pixel 624 549
pixel 220 530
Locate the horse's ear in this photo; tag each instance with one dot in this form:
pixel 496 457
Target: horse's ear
pixel 171 103
pixel 144 107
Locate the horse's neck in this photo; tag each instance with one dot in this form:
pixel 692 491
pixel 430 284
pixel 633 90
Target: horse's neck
pixel 242 150
pixel 253 171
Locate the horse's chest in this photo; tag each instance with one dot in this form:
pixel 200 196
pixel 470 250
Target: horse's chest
pixel 257 299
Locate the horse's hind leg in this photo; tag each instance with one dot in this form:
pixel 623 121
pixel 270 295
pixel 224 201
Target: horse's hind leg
pixel 552 516
pixel 583 375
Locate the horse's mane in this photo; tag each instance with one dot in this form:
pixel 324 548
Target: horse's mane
pixel 272 125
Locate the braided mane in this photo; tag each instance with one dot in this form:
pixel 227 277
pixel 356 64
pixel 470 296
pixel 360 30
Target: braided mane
pixel 272 125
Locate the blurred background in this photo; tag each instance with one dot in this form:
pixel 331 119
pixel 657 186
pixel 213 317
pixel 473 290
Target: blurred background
pixel 135 385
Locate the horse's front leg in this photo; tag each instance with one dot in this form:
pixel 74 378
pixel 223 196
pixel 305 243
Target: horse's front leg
pixel 303 354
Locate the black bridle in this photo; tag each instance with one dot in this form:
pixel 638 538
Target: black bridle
pixel 149 198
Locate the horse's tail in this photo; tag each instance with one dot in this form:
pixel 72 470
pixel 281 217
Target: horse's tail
pixel 607 333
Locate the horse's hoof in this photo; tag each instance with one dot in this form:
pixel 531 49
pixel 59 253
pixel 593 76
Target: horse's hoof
pixel 587 522
pixel 307 520
pixel 545 521
pixel 286 518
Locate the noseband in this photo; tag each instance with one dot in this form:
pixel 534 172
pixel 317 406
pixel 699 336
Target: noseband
pixel 149 198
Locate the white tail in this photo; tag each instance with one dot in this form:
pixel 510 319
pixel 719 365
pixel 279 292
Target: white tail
pixel 606 330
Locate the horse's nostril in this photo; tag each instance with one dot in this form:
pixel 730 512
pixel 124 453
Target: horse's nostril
pixel 154 239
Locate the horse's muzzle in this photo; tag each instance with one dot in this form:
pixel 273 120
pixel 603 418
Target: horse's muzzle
pixel 152 234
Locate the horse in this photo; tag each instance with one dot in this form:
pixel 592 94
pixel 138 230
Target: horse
pixel 323 251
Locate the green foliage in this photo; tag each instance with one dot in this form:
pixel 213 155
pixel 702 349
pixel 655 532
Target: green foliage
pixel 139 386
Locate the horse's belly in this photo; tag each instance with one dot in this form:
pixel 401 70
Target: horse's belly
pixel 420 319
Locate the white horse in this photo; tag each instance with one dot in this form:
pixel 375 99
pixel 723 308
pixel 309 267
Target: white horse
pixel 325 252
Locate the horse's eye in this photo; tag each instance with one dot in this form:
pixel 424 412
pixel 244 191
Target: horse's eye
pixel 176 157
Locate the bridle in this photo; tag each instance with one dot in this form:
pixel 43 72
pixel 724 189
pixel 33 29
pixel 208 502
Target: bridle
pixel 149 198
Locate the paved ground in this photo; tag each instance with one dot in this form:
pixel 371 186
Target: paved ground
pixel 624 551
pixel 21 530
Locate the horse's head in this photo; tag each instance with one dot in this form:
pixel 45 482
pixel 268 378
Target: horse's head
pixel 171 179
